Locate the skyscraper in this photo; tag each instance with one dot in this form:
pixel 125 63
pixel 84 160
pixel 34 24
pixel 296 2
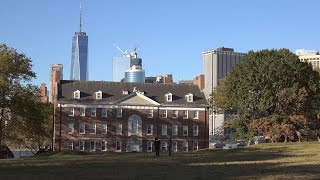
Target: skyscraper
pixel 79 59
pixel 119 67
pixel 216 65
pixel 135 73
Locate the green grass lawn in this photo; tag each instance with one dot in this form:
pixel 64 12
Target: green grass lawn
pixel 263 161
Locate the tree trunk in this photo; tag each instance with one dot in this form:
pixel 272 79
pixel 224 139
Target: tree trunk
pixel 1 128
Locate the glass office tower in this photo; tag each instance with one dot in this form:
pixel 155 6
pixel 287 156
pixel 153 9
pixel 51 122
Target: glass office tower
pixel 79 59
pixel 119 67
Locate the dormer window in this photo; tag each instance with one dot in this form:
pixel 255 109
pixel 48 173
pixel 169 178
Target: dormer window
pixel 189 97
pixel 125 92
pixel 99 95
pixel 168 97
pixel 76 94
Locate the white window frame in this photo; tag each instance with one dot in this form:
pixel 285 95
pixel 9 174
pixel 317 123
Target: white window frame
pixel 149 146
pixel 82 111
pixel 93 112
pixel 71 112
pixel 104 112
pixel 119 129
pixel 149 128
pixel 104 128
pixel 185 130
pixel 164 114
pixel 84 128
pixel 195 114
pixel 98 95
pixel 93 128
pixel 195 130
pixel 70 144
pixel 82 144
pixel 168 97
pixel 174 130
pixel 164 146
pixel 174 146
pixel 164 129
pixel 104 143
pixel 120 146
pixel 119 112
pixel 76 94
pixel 185 146
pixel 93 148
pixel 150 113
pixel 175 114
pixel 195 146
pixel 189 97
pixel 70 128
pixel 185 114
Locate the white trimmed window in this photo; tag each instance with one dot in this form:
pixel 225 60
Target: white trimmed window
pixel 185 146
pixel 118 146
pixel 164 113
pixel 195 114
pixel 93 145
pixel 93 111
pixel 125 92
pixel 195 130
pixel 185 130
pixel 149 129
pixel 175 114
pixel 164 146
pixel 70 128
pixel 104 146
pixel 189 97
pixel 82 128
pixel 185 114
pixel 93 129
pixel 119 112
pixel 195 146
pixel 150 113
pixel 168 97
pixel 164 129
pixel 174 130
pixel 149 146
pixel 82 111
pixel 99 95
pixel 70 144
pixel 71 112
pixel 76 94
pixel 104 112
pixel 174 146
pixel 104 129
pixel 119 129
pixel 81 145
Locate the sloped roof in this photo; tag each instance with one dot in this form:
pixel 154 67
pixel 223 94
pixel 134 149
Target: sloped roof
pixel 112 92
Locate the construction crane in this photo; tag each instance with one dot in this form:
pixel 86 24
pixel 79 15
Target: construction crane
pixel 124 53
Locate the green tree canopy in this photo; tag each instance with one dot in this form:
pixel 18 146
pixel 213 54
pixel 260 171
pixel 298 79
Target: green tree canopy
pixel 272 82
pixel 19 100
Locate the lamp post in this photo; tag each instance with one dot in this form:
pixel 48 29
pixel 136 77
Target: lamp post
pixel 60 123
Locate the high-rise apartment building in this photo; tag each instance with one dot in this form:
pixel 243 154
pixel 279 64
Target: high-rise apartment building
pixel 119 67
pixel 216 65
pixel 135 73
pixel 79 58
pixel 310 56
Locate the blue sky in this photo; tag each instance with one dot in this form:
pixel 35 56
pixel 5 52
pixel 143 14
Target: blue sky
pixel 169 34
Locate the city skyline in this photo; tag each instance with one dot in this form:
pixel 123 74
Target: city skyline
pixel 170 36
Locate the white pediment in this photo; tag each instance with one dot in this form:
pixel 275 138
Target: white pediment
pixel 137 99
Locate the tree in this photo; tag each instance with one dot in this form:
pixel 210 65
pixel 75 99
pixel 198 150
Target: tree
pixel 272 82
pixel 19 100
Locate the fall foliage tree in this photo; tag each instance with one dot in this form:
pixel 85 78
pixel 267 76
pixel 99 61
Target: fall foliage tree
pixel 270 84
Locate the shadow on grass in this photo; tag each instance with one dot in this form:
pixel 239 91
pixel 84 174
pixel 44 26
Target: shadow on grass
pixel 245 163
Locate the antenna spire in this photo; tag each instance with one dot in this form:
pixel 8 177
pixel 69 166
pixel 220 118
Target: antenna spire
pixel 80 16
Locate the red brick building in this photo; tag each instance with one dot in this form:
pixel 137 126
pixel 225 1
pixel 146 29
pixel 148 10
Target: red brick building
pixel 126 117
